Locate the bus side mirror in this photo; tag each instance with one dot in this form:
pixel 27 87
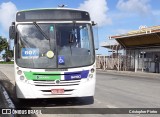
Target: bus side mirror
pixel 95 34
pixel 12 32
pixel 93 23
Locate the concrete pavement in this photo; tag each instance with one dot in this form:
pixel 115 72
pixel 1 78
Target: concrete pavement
pixel 8 71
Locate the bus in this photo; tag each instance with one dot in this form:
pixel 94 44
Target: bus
pixel 54 53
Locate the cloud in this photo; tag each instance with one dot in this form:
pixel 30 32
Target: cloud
pixel 141 7
pixel 7 15
pixel 98 11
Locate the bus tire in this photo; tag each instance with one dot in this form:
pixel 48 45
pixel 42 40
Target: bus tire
pixel 91 99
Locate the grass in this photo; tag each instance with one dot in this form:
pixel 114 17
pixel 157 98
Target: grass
pixel 2 62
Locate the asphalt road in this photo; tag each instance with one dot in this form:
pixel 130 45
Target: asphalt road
pixel 112 91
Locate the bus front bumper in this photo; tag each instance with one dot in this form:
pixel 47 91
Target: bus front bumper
pixel 30 91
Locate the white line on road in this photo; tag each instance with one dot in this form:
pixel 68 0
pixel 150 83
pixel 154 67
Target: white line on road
pixel 111 106
pixel 107 105
pixel 97 101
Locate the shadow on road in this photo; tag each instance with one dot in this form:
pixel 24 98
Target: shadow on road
pixel 56 102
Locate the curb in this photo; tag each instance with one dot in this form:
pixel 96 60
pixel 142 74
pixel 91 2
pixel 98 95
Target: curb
pixel 8 100
pixel 128 73
pixel 8 103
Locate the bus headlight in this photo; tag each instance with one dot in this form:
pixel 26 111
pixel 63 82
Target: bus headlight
pixel 21 77
pixel 90 75
pixel 17 68
pixel 19 72
pixel 92 70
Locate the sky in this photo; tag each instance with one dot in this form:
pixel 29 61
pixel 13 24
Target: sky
pixel 112 16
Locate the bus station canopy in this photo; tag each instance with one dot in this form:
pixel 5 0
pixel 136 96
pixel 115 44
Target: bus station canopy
pixel 115 46
pixel 144 37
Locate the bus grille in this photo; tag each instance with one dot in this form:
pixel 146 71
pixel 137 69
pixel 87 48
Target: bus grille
pixel 53 83
pixel 50 84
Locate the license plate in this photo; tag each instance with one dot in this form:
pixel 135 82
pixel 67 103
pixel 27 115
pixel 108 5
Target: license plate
pixel 57 91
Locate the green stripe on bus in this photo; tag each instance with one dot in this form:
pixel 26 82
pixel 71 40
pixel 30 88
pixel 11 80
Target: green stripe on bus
pixel 43 75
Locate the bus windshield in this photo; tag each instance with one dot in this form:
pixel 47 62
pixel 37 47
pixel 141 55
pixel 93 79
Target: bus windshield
pixel 67 45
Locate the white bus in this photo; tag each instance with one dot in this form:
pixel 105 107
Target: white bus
pixel 54 53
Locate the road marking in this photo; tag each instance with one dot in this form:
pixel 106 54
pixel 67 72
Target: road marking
pixel 111 106
pixel 97 101
pixel 107 105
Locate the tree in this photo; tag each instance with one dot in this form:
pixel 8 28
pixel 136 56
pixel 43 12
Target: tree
pixel 8 55
pixel 4 45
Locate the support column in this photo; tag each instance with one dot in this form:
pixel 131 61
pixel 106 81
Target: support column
pixel 104 59
pixel 136 60
pixel 142 61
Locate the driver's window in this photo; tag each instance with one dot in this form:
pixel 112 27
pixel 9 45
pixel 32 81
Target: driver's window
pixel 84 37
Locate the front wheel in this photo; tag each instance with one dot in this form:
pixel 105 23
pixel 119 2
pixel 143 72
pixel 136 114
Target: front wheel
pixel 85 100
pixel 90 99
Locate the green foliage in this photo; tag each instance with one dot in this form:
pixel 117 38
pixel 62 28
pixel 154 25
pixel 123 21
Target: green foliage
pixel 4 45
pixel 8 55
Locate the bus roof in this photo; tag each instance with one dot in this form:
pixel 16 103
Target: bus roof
pixel 58 8
pixel 54 14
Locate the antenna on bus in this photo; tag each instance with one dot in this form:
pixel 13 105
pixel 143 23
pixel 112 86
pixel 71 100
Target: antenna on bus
pixel 62 5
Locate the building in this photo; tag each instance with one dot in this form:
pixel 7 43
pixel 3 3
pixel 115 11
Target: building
pixel 141 48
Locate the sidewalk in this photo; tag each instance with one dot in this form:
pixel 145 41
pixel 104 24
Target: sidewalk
pixel 130 73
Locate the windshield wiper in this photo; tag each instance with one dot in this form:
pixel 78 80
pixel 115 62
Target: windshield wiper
pixel 43 33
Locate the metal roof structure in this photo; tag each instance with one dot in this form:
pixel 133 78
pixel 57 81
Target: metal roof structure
pixel 115 46
pixel 144 37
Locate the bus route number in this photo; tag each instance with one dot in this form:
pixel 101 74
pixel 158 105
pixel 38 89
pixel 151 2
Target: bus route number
pixel 28 53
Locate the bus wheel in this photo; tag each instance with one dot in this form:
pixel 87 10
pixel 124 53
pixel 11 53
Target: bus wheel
pixel 86 100
pixel 91 99
pixel 21 102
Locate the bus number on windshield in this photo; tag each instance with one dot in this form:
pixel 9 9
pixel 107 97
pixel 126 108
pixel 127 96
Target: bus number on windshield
pixel 29 53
